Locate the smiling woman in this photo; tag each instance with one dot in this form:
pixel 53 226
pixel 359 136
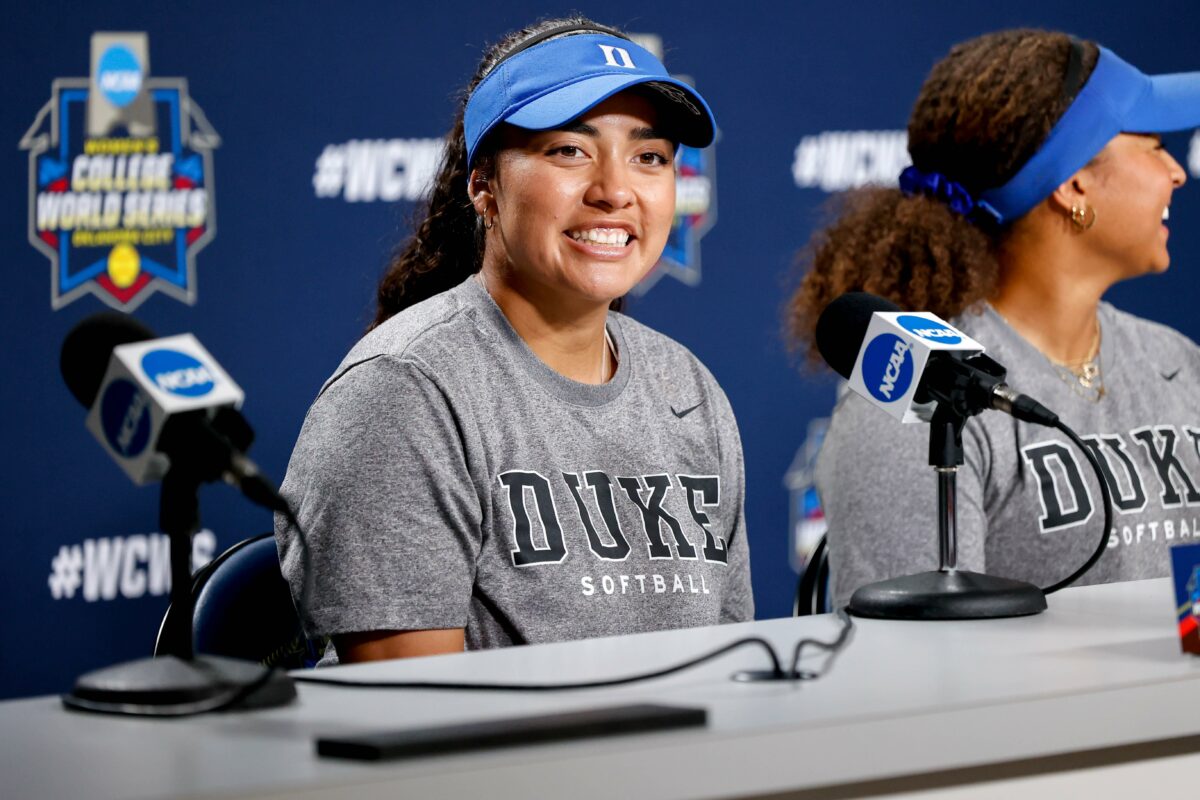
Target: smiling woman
pixel 1038 182
pixel 576 217
pixel 503 458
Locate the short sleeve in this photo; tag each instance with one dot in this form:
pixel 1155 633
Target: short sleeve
pixel 380 483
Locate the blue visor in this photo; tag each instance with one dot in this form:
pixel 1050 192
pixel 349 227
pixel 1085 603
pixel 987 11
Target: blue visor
pixel 556 81
pixel 1117 98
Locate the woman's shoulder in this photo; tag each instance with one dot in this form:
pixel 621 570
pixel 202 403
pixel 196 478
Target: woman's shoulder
pixel 422 334
pixel 1157 343
pixel 1154 333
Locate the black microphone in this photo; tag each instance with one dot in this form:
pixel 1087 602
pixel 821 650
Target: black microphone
pixel 164 409
pixel 970 382
pixel 898 360
pixel 163 404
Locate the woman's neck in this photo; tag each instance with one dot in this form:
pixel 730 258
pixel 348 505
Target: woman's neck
pixel 1050 294
pixel 568 337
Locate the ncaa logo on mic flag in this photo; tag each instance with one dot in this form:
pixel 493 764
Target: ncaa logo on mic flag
pixel 125 418
pixel 178 373
pixel 120 180
pixel 928 329
pixel 887 367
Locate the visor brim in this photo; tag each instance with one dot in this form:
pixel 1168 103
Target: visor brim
pixel 1171 104
pixel 686 113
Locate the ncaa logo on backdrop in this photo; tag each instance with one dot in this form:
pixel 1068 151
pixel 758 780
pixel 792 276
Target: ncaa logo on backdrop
pixel 178 373
pixel 929 329
pixel 887 367
pixel 120 180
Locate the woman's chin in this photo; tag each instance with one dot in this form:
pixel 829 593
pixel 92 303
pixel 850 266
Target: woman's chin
pixel 608 286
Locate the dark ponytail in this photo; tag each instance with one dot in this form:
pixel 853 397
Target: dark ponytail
pixel 983 111
pixel 447 243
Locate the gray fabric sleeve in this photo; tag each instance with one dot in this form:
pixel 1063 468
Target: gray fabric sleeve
pixel 737 602
pixel 379 480
pixel 879 496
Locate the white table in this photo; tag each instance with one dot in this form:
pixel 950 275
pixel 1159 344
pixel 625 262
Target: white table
pixel 1098 679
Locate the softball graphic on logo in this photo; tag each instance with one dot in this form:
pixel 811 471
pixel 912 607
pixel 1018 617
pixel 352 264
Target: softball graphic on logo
pixel 123 266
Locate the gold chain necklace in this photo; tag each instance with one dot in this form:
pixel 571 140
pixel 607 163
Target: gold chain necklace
pixel 1085 376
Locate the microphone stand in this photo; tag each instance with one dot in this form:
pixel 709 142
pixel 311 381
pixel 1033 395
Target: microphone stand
pixel 181 683
pixel 179 518
pixel 948 592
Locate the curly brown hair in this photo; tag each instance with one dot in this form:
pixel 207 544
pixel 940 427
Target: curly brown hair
pixel 983 111
pixel 447 242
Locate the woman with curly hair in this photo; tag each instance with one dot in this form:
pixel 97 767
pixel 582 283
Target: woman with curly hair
pixel 1039 180
pixel 503 459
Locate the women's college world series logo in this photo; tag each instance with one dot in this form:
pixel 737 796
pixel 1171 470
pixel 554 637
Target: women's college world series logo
pixel 120 180
pixel 695 198
pixel 695 214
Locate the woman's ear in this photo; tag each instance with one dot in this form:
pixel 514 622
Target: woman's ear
pixel 1073 192
pixel 480 190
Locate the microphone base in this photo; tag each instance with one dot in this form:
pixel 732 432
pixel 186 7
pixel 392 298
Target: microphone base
pixel 947 595
pixel 168 686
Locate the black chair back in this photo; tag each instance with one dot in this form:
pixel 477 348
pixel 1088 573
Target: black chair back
pixel 812 591
pixel 243 609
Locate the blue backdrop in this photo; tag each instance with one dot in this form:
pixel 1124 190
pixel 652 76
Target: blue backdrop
pixel 308 132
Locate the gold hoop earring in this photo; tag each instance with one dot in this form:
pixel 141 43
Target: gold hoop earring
pixel 1080 218
pixel 489 223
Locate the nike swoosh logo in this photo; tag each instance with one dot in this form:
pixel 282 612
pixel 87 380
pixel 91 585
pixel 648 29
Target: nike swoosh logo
pixel 1170 377
pixel 686 411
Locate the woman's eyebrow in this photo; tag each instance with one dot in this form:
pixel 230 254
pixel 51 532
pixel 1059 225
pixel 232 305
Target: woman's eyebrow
pixel 636 134
pixel 641 134
pixel 579 127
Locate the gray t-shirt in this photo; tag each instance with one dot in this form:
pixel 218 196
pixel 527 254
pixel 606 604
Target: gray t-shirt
pixel 447 478
pixel 1028 503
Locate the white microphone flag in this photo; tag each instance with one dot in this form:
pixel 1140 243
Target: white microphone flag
pixel 146 383
pixel 893 356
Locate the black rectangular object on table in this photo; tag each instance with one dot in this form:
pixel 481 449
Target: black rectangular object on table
pixel 511 732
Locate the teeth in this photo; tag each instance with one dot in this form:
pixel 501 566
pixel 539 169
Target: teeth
pixel 610 236
pixel 1166 213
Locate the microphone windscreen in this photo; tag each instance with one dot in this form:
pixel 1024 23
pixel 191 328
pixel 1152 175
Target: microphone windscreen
pixel 842 327
pixel 88 348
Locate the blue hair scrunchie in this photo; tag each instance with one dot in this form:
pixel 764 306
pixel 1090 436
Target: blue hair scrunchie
pixel 936 185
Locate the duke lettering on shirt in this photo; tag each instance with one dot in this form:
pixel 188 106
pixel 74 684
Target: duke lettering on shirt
pixel 529 496
pixel 1166 459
